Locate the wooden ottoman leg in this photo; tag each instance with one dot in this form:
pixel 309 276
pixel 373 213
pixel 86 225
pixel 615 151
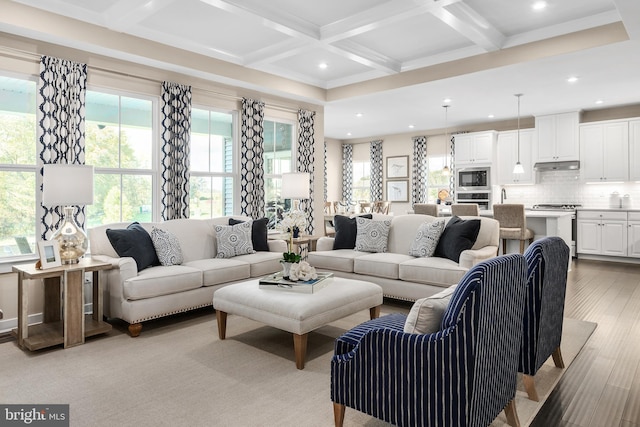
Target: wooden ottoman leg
pixel 374 312
pixel 221 316
pixel 300 349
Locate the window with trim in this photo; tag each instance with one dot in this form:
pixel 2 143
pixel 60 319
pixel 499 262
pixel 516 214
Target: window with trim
pixel 18 167
pixel 121 137
pixel 361 181
pixel 212 163
pixel 436 180
pixel 278 159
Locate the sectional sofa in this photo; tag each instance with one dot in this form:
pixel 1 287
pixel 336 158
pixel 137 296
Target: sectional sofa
pixel 136 293
pixel 401 275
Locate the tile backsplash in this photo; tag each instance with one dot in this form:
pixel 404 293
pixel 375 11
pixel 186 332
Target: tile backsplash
pixel 566 187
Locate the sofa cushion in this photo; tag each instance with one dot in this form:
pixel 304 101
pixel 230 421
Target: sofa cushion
pixel 215 271
pixel 167 247
pixel 458 235
pixel 426 314
pixel 134 242
pixel 262 263
pixel 346 231
pixel 162 280
pixel 427 238
pixel 380 264
pixel 233 240
pixel 431 270
pixel 335 260
pixel 258 233
pixel 372 235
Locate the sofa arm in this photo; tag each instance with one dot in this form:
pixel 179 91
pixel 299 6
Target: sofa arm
pixel 471 257
pixel 325 244
pixel 277 245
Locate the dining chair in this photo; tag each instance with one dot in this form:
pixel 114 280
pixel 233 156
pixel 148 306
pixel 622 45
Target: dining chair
pixel 465 209
pixel 381 207
pixel 426 209
pixel 366 207
pixel 513 224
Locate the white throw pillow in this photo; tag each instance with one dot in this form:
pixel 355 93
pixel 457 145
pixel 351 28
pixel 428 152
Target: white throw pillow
pixel 426 314
pixel 372 235
pixel 167 247
pixel 234 240
pixel 426 240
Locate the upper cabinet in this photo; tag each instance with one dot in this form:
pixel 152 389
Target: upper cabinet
pixel 557 137
pixel 605 151
pixel 508 156
pixel 634 150
pixel 477 148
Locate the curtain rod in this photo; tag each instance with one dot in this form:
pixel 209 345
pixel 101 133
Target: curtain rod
pixel 23 54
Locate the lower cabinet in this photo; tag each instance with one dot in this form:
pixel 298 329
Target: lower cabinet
pixel 603 233
pixel 633 234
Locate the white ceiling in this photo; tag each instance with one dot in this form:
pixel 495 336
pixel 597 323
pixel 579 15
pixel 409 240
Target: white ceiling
pixel 394 61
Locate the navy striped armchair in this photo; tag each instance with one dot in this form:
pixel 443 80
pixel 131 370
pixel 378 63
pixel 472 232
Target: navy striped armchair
pixel 547 265
pixel 463 375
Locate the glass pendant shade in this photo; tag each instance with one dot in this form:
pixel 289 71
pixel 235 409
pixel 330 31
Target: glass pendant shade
pixel 518 168
pixel 445 169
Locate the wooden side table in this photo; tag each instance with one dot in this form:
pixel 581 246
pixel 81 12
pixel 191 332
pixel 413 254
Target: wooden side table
pixel 304 239
pixel 63 321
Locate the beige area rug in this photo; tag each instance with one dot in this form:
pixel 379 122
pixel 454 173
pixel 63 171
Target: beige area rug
pixel 178 373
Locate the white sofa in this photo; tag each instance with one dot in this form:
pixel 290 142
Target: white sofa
pixel 401 275
pixel 159 291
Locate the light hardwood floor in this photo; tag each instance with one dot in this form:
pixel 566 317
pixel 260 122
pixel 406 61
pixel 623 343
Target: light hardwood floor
pixel 601 388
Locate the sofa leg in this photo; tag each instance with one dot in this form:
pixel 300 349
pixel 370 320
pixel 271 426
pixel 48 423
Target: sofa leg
pixel 338 414
pixel 135 329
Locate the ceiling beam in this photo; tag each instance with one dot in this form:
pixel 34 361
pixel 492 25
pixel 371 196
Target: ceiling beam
pixel 125 14
pixel 470 24
pixel 630 12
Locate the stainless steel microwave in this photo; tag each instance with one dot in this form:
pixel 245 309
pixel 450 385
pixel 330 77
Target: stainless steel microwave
pixel 473 179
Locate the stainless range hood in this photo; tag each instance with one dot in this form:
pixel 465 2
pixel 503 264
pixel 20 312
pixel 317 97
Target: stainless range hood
pixel 557 166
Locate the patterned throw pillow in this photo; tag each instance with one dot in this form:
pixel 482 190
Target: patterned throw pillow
pixel 167 247
pixel 234 240
pixel 426 240
pixel 372 235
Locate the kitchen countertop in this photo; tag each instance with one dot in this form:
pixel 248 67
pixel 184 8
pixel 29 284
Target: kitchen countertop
pixel 610 209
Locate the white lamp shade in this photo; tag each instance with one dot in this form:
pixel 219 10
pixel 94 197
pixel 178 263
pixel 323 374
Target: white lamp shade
pixel 295 185
pixel 64 185
pixel 518 168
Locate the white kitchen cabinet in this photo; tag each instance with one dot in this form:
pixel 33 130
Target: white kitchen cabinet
pixel 557 137
pixel 602 233
pixel 507 156
pixel 604 151
pixel 634 150
pixel 633 234
pixel 477 148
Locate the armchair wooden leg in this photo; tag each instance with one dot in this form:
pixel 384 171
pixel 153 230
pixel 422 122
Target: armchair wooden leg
pixel 530 387
pixel 557 358
pixel 512 414
pixel 338 414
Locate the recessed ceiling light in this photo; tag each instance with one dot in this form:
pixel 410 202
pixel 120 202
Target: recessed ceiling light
pixel 348 133
pixel 446 100
pixel 323 65
pixel 572 79
pixel 358 114
pixel 411 126
pixel 599 101
pixel 491 116
pixel 539 5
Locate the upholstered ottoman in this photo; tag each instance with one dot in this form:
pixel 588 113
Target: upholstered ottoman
pixel 298 313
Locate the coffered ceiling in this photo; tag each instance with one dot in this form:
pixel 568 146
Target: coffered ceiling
pixel 391 61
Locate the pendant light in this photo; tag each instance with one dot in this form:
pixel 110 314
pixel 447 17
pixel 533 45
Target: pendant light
pixel 518 169
pixel 445 169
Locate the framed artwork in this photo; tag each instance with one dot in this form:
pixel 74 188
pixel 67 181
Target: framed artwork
pixel 398 167
pixel 398 191
pixel 49 251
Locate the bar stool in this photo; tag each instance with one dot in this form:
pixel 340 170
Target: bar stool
pixel 426 209
pixel 465 209
pixel 513 224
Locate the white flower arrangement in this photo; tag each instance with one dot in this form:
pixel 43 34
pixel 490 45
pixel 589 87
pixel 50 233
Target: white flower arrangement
pixel 293 219
pixel 302 271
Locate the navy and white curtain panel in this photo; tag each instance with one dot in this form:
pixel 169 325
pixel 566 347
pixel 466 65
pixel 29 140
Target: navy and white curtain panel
pixel 419 172
pixel 62 89
pixel 376 170
pixel 452 166
pixel 347 172
pixel 251 159
pixel 306 160
pixel 176 137
pixel 325 173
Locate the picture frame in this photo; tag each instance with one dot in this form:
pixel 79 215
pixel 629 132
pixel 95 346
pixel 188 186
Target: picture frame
pixel 398 167
pixel 398 191
pixel 49 251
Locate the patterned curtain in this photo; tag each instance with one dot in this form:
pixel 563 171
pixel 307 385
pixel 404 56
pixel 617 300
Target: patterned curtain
pixel 452 167
pixel 376 170
pixel 176 136
pixel 325 172
pixel 305 160
pixel 251 159
pixel 347 172
pixel 419 174
pixel 62 88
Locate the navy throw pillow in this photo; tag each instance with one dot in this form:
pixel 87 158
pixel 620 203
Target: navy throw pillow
pixel 459 235
pixel 346 231
pixel 258 233
pixel 135 242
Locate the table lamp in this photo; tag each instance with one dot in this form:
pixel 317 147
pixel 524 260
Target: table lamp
pixel 68 186
pixel 295 186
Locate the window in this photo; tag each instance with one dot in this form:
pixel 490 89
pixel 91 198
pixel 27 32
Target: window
pixel 435 179
pixel 212 165
pixel 361 181
pixel 278 159
pixel 17 166
pixel 120 141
